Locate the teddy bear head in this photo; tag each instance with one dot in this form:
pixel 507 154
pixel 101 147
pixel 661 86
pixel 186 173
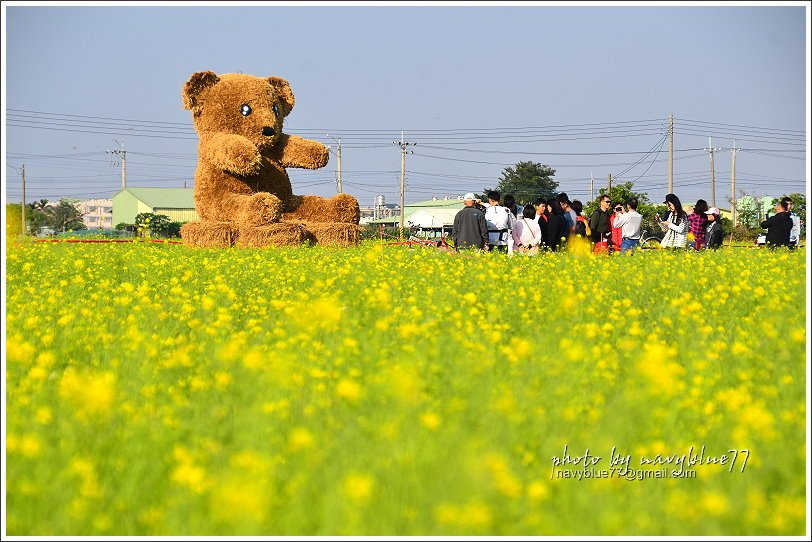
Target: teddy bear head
pixel 236 103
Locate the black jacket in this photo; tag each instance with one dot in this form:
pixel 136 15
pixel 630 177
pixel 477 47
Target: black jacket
pixel 599 224
pixel 470 228
pixel 714 235
pixel 553 230
pixel 778 227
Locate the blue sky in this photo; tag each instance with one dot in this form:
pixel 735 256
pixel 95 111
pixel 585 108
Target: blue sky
pixel 586 90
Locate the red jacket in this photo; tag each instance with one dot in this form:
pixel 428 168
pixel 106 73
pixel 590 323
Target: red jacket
pixel 617 233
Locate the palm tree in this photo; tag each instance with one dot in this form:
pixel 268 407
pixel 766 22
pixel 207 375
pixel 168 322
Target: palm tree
pixel 38 216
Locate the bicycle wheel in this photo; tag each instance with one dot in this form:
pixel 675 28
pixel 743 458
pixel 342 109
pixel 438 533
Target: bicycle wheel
pixel 650 243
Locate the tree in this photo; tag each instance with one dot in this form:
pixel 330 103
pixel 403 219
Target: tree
pixel 64 216
pixel 13 219
pixel 527 181
pixel 149 223
pixel 747 212
pixel 36 216
pixel 173 229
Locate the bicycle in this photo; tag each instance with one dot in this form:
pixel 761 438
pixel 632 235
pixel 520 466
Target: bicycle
pixel 649 240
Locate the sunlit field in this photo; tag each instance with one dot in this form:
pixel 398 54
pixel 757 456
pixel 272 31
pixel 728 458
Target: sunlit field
pixel 155 389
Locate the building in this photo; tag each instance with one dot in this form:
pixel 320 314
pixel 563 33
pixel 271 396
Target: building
pixel 97 213
pixel 176 203
pixel 435 216
pixel 380 209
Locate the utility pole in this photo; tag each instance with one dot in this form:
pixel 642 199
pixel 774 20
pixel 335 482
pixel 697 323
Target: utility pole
pixel 22 174
pixel 122 155
pixel 403 144
pixel 339 188
pixel 733 183
pixel 711 149
pixel 671 153
pixel 610 185
pixel 591 186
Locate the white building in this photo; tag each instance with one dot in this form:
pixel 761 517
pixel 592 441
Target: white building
pixel 97 213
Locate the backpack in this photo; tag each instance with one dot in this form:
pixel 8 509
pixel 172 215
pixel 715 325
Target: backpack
pixel 582 227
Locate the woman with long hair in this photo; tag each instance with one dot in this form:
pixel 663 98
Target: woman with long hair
pixel 698 223
pixel 555 234
pixel 676 225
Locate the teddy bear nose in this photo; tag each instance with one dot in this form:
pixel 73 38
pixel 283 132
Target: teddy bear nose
pixel 268 131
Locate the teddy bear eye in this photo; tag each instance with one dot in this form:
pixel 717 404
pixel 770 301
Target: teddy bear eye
pixel 276 110
pixel 245 109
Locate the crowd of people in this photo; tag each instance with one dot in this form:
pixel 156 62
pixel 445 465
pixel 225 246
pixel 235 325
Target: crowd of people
pixel 549 224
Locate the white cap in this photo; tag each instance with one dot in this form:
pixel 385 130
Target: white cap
pixel 713 211
pixel 469 196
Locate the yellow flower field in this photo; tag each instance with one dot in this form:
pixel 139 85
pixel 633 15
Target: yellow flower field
pixel 155 389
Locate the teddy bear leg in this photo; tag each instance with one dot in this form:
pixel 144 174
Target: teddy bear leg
pixel 337 234
pixel 256 210
pixel 276 234
pixel 341 208
pixel 207 233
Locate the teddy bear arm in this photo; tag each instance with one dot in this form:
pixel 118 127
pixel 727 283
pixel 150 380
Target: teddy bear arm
pixel 296 152
pixel 231 152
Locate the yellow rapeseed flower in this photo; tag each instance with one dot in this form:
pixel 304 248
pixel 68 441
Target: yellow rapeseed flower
pixel 30 446
pixel 300 439
pixel 430 420
pixel 253 359
pixel 714 503
pixel 358 487
pixel 91 394
pixel 238 500
pixel 191 476
pixel 349 390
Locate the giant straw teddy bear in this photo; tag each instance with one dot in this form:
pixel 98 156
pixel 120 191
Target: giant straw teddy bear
pixel 242 192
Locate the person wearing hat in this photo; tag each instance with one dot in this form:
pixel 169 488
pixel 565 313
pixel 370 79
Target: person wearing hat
pixel 713 231
pixel 470 229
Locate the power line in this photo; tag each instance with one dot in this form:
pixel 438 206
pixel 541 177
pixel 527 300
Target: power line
pixel 741 126
pixel 654 159
pixel 661 142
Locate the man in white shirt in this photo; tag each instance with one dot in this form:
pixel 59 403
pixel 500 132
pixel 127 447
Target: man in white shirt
pixel 630 224
pixel 795 232
pixel 500 223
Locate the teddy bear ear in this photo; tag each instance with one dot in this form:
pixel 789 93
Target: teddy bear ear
pixel 195 85
pixel 284 92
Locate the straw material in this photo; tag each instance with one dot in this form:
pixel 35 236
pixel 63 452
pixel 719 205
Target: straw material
pixel 208 234
pixel 343 235
pixel 340 208
pixel 279 234
pixel 241 176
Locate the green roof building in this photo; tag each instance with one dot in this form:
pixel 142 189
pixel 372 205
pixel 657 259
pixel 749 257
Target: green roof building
pixel 438 207
pixel 176 203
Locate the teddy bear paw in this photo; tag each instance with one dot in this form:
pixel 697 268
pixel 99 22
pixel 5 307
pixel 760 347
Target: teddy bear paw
pixel 242 156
